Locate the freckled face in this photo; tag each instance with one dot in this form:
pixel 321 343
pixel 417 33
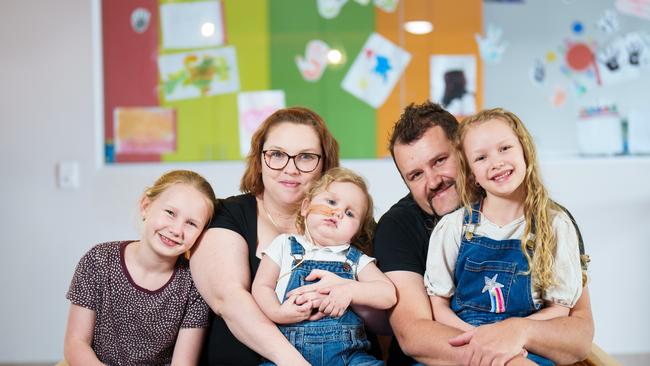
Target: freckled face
pixel 496 158
pixel 174 220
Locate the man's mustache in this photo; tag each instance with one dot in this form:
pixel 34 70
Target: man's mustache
pixel 444 184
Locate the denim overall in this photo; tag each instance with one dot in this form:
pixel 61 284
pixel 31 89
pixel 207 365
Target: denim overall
pixel 328 341
pixel 490 282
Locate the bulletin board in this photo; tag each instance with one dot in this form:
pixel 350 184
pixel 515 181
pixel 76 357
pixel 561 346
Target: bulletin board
pixel 172 94
pixel 576 72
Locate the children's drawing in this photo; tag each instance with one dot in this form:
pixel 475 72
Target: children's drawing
pixel 538 72
pixel 453 83
pixel 579 65
pixel 144 130
pixel 638 48
pixel 313 64
pixel 621 60
pixel 183 25
pixel 577 27
pixel 388 6
pixel 376 69
pixel 253 109
pixel 558 97
pixel 551 56
pixel 579 56
pixel 140 18
pixel 198 74
pixel 330 9
pixel 637 8
pixel 608 22
pixel 491 47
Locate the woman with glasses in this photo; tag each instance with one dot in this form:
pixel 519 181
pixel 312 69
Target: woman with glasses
pixel 292 148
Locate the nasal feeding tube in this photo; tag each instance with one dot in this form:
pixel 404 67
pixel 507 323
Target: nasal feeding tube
pixel 323 210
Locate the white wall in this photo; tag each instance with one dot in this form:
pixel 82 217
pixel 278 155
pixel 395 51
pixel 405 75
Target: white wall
pixel 537 27
pixel 48 109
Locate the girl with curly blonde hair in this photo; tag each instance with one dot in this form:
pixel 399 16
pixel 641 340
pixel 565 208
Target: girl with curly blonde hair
pixel 510 251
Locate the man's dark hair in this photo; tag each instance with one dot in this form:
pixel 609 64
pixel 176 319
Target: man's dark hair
pixel 417 119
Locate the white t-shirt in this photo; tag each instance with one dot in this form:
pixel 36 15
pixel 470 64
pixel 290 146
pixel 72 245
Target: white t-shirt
pixel 279 251
pixel 445 243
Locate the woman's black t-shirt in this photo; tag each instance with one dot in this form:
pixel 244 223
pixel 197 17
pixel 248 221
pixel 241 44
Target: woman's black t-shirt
pixel 239 214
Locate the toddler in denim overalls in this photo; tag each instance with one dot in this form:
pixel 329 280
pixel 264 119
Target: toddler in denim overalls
pixel 297 268
pixel 478 272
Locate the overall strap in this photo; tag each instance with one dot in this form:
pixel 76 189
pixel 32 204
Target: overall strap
pixel 584 257
pixel 297 252
pixel 353 255
pixel 475 217
pixel 352 260
pixel 296 248
pixel 471 220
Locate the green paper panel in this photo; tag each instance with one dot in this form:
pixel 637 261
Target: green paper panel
pixel 293 23
pixel 208 127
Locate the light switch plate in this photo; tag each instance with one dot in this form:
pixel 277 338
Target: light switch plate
pixel 68 175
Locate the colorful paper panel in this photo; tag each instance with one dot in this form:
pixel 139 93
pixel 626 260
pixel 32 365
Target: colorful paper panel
pixel 130 73
pixel 154 57
pixel 192 25
pixel 142 131
pixel 351 120
pixel 254 108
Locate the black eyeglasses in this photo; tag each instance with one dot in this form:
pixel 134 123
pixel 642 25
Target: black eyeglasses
pixel 304 162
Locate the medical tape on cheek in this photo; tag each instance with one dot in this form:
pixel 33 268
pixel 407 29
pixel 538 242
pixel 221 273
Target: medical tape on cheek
pixel 322 209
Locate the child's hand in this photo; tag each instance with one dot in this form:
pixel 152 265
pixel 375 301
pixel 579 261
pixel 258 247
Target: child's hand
pixel 290 312
pixel 323 279
pixel 316 315
pixel 337 301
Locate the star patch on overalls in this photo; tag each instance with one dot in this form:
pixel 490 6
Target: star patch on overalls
pixel 496 296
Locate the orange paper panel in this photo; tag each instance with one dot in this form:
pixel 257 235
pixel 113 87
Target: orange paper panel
pixel 455 23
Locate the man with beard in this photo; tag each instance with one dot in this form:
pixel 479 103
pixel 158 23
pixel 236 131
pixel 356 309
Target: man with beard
pixel 422 148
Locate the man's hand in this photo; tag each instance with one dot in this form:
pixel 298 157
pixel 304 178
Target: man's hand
pixel 493 344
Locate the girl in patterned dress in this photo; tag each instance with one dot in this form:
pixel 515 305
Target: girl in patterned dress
pixel 134 302
pixel 510 251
